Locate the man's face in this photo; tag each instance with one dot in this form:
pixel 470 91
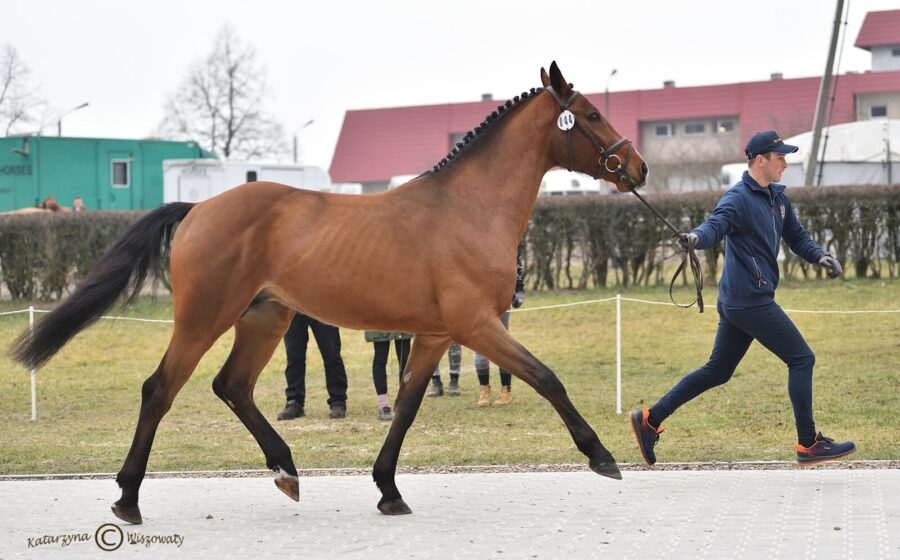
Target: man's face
pixel 771 166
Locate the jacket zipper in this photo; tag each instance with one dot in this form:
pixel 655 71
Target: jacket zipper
pixel 774 226
pixel 759 276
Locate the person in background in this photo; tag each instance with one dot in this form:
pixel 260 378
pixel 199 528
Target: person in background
pixel 328 339
pixel 78 205
pixel 482 365
pixel 382 346
pixel 753 217
pixel 454 357
pixel 50 203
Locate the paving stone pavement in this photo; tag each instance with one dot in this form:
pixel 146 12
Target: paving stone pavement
pixel 818 514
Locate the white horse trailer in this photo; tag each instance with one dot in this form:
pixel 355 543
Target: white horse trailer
pixel 195 180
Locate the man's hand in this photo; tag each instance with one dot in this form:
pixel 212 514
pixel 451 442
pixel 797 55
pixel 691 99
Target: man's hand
pixel 833 265
pixel 518 300
pixel 686 241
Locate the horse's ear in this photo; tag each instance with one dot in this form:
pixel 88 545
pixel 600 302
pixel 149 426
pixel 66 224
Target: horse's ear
pixel 557 81
pixel 545 79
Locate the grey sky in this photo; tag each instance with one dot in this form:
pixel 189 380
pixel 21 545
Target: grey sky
pixel 323 58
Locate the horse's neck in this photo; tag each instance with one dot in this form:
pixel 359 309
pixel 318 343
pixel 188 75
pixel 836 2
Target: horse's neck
pixel 503 178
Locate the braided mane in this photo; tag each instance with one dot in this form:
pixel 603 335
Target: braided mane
pixel 478 132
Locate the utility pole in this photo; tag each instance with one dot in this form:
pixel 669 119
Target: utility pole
pixel 824 88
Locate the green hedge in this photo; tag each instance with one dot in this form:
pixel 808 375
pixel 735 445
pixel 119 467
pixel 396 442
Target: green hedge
pixel 587 241
pixel 572 242
pixel 41 255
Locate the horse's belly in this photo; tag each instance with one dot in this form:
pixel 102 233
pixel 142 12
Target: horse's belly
pixel 382 306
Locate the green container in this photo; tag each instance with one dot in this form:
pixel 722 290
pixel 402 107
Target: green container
pixel 108 174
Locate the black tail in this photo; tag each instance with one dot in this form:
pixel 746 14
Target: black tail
pixel 123 268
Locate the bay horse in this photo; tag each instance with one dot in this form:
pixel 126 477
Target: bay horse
pixel 435 257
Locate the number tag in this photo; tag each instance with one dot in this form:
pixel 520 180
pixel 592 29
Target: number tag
pixel 566 120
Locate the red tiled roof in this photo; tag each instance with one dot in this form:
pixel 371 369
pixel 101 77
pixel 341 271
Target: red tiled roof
pixel 879 29
pixel 377 144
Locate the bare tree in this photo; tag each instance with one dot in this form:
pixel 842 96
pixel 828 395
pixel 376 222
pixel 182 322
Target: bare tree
pixel 686 168
pixel 220 103
pixel 20 103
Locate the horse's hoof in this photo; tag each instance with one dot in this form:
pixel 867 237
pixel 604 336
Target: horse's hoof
pixel 288 484
pixel 394 507
pixel 608 469
pixel 129 514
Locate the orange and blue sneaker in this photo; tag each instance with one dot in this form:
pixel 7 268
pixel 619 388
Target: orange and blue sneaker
pixel 823 449
pixel 645 435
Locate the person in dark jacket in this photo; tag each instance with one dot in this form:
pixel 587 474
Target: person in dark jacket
pixel 328 339
pixel 753 217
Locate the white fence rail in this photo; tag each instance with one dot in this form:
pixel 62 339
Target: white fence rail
pixel 618 299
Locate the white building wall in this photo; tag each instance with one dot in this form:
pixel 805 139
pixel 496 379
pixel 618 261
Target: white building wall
pixel 886 58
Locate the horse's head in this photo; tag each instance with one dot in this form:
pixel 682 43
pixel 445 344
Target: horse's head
pixel 587 142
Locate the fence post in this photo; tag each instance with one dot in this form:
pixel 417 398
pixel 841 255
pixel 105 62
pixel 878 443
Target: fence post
pixel 33 382
pixel 618 353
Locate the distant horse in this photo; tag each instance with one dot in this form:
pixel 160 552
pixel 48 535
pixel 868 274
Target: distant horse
pixel 435 257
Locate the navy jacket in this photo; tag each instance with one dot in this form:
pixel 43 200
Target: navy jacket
pixel 753 220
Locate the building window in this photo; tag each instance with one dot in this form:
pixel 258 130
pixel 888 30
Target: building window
pixel 664 130
pixel 694 129
pixel 251 176
pixel 895 51
pixel 724 126
pixel 877 111
pixel 121 173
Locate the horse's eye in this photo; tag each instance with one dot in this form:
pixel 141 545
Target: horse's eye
pixel 594 117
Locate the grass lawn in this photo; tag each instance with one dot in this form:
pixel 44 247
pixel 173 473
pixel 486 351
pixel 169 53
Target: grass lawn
pixel 89 394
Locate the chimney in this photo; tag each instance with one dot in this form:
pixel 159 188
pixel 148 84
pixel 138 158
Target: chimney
pixel 669 84
pixel 487 96
pixel 777 76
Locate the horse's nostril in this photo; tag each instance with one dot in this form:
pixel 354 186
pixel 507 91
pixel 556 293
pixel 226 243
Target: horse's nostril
pixel 644 169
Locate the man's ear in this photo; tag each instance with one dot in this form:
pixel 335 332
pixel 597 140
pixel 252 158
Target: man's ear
pixel 545 79
pixel 558 82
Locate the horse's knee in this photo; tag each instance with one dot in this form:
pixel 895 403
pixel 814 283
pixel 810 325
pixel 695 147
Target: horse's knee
pixel 547 383
pixel 220 388
pixel 229 392
pixel 155 395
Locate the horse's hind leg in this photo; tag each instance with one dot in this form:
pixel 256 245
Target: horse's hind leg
pixel 426 352
pixel 187 346
pixel 256 336
pixel 494 342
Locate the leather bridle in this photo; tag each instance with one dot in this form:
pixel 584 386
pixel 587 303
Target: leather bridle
pixel 566 123
pixel 607 155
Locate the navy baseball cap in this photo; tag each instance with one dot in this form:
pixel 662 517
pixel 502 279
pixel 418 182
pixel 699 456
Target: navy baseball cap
pixel 765 142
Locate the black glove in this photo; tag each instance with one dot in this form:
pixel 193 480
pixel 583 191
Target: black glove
pixel 518 300
pixel 686 240
pixel 833 265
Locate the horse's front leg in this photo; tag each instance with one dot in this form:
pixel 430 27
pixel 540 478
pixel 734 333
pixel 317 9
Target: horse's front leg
pixel 425 355
pixel 495 343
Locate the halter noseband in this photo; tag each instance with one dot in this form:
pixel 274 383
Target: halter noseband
pixel 606 154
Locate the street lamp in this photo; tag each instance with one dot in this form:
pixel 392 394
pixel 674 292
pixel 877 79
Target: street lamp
pixel 307 123
pixel 606 93
pixel 59 119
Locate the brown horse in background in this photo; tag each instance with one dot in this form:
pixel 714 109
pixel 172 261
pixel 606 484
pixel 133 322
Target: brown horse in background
pixel 435 257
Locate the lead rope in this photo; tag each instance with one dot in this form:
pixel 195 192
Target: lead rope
pixel 689 257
